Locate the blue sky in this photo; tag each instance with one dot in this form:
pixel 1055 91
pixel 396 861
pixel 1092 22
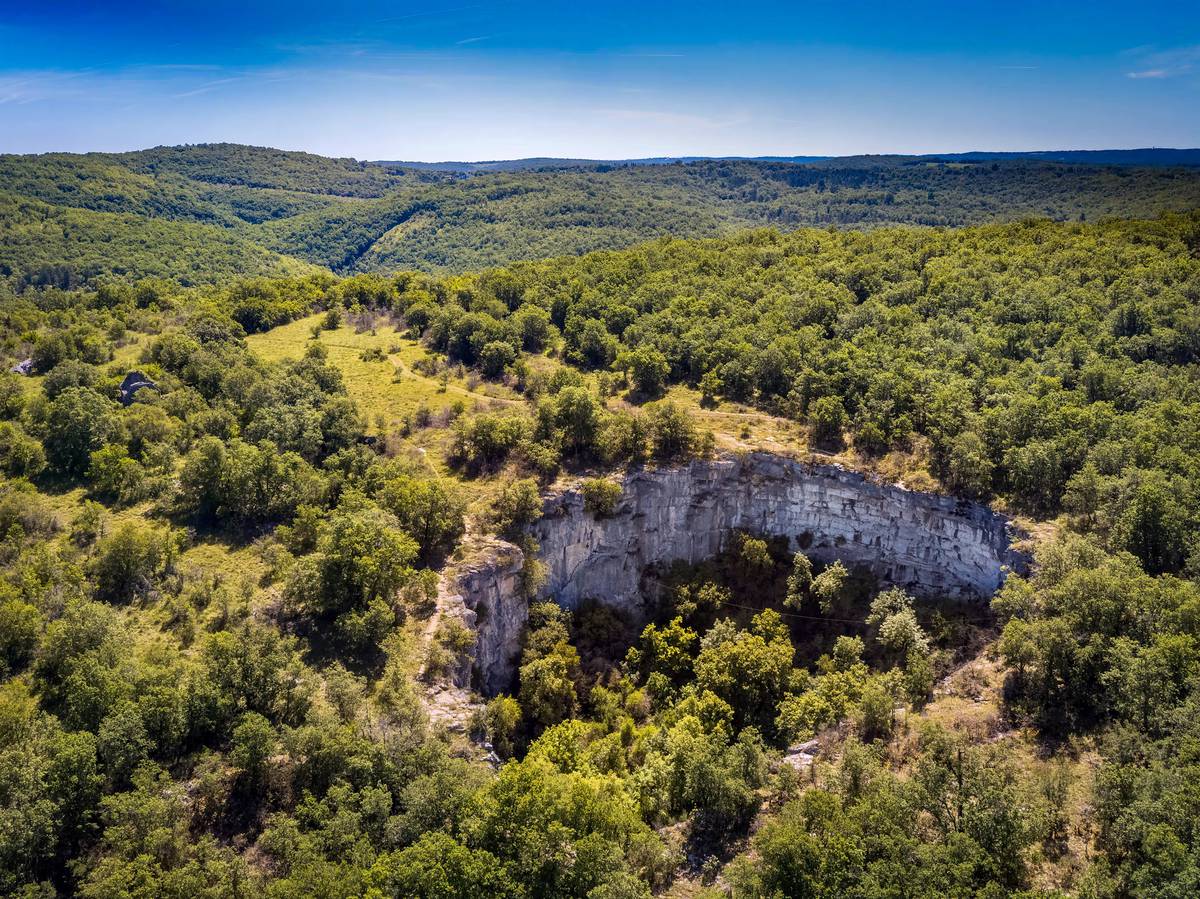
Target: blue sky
pixel 459 80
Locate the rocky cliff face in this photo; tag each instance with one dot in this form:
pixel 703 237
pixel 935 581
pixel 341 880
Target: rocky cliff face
pixel 927 543
pixel 487 594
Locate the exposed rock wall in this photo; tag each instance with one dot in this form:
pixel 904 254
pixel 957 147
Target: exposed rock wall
pixel 487 594
pixel 928 543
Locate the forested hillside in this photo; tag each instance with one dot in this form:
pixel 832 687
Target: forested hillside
pixel 227 656
pixel 64 246
pixel 349 216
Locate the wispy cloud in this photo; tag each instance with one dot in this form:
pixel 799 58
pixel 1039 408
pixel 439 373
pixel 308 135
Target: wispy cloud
pixel 474 40
pixel 17 90
pixel 30 87
pixel 204 88
pixel 1155 63
pixel 667 118
pixel 430 12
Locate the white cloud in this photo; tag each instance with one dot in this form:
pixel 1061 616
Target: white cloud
pixel 205 88
pixel 30 87
pixel 1170 63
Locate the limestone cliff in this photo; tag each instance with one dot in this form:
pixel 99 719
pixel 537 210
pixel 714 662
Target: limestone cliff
pixel 927 543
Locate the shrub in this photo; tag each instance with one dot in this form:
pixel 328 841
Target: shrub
pixel 828 418
pixel 495 358
pixel 21 456
pixel 673 434
pixel 600 496
pixel 518 504
pixel 129 561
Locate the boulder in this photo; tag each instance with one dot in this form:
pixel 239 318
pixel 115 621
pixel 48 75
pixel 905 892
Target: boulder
pixel 134 381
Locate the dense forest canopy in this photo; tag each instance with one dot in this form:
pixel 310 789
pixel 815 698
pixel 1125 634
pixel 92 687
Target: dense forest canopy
pixel 1034 358
pixel 235 486
pixel 350 216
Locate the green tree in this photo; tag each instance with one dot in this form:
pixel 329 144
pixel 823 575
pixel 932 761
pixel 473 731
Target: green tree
pixel 430 510
pixel 439 867
pixel 80 421
pixel 1153 528
pixel 969 467
pixel 800 581
pixel 647 369
pixel 534 327
pixel 518 504
pixel 600 496
pixel 354 577
pixel 828 418
pixel 547 692
pixel 128 562
pixel 673 434
pixel 250 753
pixel 21 456
pixel 496 357
pixel 748 669
pixel 502 717
pixel 829 586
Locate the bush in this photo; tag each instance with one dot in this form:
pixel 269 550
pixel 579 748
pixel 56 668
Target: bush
pixel 80 421
pixel 21 456
pixel 129 561
pixel 495 358
pixel 828 419
pixel 600 496
pixel 518 505
pixel 673 434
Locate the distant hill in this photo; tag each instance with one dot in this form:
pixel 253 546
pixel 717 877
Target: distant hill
pixel 1151 156
pixel 1146 156
pixel 553 162
pixel 62 246
pixel 206 211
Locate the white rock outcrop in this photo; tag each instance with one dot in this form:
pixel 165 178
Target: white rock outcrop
pixel 930 544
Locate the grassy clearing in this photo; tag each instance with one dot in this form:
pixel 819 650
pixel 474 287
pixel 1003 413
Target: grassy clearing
pixel 390 388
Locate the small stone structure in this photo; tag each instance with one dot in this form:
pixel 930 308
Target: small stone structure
pixel 929 544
